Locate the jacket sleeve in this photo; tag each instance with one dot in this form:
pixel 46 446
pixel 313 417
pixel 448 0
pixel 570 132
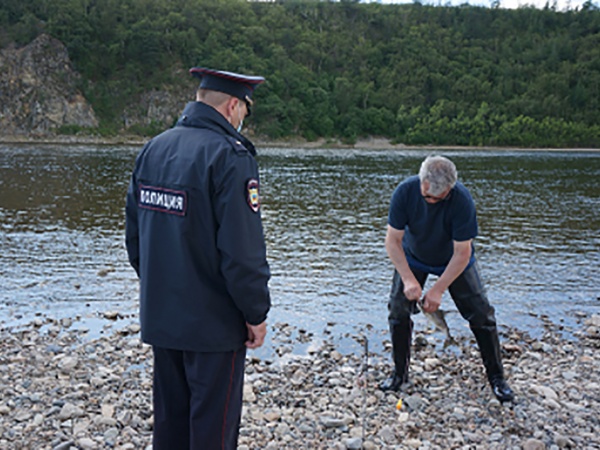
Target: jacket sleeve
pixel 240 238
pixel 131 226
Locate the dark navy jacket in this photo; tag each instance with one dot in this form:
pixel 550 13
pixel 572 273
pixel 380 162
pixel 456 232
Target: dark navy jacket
pixel 194 235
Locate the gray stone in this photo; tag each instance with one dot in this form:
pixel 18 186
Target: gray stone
pixel 87 444
pixel 69 410
pixel 564 442
pixel 68 363
pixel 110 435
pixel 332 422
pixel 534 444
pixel 353 443
pixel 387 434
pixel 414 402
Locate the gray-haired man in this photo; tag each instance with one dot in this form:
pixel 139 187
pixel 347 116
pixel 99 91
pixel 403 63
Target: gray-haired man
pixel 431 227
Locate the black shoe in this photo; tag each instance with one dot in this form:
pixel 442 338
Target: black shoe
pixel 393 383
pixel 502 390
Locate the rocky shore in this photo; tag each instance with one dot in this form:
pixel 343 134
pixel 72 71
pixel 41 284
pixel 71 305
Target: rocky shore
pixel 61 390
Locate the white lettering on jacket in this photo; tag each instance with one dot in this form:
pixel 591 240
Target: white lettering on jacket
pixel 161 199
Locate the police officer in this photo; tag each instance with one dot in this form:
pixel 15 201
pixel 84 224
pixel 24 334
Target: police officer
pixel 194 236
pixel 431 227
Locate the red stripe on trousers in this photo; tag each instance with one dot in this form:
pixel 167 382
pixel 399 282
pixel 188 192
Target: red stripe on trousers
pixel 227 400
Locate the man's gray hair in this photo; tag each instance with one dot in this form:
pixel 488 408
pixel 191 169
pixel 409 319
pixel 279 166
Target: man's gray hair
pixel 440 172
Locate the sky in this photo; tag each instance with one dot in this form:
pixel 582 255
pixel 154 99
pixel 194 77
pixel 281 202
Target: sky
pixel 560 4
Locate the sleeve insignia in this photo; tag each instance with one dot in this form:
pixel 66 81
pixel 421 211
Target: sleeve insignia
pixel 163 200
pixel 252 194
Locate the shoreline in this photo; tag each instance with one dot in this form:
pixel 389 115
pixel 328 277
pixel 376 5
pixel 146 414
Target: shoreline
pixel 372 143
pixel 61 391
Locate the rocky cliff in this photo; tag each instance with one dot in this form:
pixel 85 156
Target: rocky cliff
pixel 161 107
pixel 38 94
pixel 38 90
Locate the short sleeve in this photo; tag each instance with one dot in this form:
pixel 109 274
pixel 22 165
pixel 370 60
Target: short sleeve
pixel 397 216
pixel 464 220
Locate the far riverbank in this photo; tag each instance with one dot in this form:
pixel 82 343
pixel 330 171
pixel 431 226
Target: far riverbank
pixel 371 143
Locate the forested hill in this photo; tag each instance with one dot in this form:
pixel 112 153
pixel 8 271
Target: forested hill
pixel 416 74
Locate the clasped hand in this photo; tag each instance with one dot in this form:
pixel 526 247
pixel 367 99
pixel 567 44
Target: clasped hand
pixel 431 300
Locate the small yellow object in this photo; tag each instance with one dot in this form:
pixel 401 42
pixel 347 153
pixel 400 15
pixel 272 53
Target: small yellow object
pixel 399 405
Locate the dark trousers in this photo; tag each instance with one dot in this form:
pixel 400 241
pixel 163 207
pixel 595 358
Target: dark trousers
pixel 197 399
pixel 468 293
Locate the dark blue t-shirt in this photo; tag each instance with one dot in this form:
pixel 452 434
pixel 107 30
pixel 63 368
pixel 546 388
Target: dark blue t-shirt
pixel 431 229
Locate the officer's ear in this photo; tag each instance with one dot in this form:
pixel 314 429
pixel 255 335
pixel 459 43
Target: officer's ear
pixel 230 108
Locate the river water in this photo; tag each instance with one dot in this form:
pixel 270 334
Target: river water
pixel 324 214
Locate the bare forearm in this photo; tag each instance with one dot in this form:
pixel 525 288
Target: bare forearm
pixel 395 251
pixel 393 245
pixel 456 266
pixel 398 258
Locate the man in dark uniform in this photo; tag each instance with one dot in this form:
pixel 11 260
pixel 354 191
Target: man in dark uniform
pixel 431 227
pixel 194 236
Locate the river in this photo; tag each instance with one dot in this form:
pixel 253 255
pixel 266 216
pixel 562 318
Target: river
pixel 324 213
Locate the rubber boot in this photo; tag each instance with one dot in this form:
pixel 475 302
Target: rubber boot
pixel 401 335
pixel 489 347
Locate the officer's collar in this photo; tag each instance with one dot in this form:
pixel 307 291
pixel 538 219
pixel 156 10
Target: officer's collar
pixel 201 115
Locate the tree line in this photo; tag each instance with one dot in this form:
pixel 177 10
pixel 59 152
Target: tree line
pixel 413 73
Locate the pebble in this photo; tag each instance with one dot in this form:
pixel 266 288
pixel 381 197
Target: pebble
pixel 60 390
pixel 354 443
pixel 534 444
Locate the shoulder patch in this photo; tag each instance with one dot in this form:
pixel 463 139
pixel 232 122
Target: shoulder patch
pixel 164 200
pixel 252 195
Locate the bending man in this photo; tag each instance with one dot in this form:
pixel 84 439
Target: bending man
pixel 431 227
